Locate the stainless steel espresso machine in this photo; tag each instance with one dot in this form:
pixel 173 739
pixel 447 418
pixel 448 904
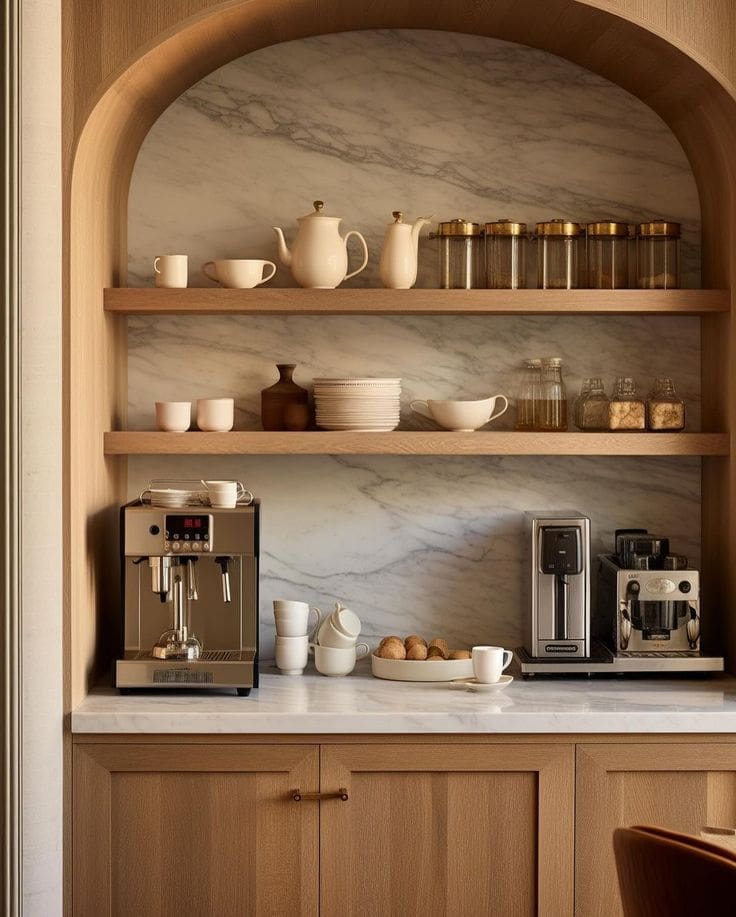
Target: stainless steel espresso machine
pixel 190 597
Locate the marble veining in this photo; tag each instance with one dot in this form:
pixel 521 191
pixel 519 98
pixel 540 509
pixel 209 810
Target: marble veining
pixel 427 122
pixel 359 703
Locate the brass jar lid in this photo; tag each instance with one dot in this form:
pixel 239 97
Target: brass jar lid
pixel 505 228
pixel 458 227
pixel 658 228
pixel 608 228
pixel 559 228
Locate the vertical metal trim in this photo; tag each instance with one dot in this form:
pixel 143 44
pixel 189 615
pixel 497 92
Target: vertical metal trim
pixel 10 477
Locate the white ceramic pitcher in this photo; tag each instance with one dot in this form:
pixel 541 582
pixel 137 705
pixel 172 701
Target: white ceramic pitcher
pixel 397 267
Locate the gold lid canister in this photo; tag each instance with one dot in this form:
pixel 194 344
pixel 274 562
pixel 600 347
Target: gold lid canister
pixel 559 228
pixel 505 228
pixel 458 227
pixel 659 228
pixel 609 228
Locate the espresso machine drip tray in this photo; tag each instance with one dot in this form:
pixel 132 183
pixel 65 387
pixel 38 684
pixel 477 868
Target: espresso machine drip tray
pixel 603 662
pixel 204 656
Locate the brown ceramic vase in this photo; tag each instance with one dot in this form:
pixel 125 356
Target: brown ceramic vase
pixel 285 405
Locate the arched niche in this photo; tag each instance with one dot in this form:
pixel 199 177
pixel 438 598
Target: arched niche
pixel 695 103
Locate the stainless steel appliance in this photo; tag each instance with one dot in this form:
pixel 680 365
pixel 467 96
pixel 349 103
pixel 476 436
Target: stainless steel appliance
pixel 190 581
pixel 557 603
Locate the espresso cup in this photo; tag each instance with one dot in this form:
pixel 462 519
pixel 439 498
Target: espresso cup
pixel 173 416
pixel 227 494
pixel 292 654
pixel 292 618
pixel 489 663
pixel 171 271
pixel 215 415
pixel 330 660
pixel 238 273
pixel 340 630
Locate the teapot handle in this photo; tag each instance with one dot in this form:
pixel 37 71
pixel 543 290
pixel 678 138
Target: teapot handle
pixel 354 232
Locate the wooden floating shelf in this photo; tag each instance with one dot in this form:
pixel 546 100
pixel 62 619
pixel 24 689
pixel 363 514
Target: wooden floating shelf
pixel 275 301
pixel 414 443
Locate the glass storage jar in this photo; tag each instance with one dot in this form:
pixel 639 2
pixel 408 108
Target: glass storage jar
pixel 608 255
pixel 551 407
pixel 658 255
pixel 505 255
pixel 665 411
pixel 584 390
pixel 595 408
pixel 459 255
pixel 627 410
pixel 558 255
pixel 528 397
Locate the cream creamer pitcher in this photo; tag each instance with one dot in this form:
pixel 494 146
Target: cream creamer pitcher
pixel 398 265
pixel 319 257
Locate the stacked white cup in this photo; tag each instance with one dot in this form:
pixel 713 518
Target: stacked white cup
pixel 336 648
pixel 292 640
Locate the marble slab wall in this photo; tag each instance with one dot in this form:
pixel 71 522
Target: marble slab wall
pixel 426 122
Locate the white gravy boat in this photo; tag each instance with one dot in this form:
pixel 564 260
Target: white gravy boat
pixel 461 416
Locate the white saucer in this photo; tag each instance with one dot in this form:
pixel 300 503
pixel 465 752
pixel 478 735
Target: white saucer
pixel 472 684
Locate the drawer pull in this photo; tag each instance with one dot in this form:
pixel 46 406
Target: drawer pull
pixel 298 796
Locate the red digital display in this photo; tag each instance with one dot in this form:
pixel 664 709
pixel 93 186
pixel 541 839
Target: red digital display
pixel 192 523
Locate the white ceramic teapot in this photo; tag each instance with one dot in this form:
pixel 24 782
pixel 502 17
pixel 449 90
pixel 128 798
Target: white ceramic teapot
pixel 319 256
pixel 398 265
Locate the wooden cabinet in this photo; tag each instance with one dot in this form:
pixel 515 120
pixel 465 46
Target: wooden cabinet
pixel 678 786
pixel 443 830
pixel 184 830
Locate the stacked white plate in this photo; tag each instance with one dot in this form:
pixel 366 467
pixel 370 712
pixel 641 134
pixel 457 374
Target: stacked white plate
pixel 361 405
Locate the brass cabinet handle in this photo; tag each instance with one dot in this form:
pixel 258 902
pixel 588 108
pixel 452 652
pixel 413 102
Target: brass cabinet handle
pixel 297 795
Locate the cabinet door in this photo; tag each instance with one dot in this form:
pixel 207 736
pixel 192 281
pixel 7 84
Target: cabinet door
pixel 682 787
pixel 187 830
pixel 447 830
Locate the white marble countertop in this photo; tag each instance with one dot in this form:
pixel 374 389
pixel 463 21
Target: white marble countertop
pixel 361 704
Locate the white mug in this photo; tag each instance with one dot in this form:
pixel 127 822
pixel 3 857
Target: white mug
pixel 227 494
pixel 330 660
pixel 239 273
pixel 489 663
pixel 216 415
pixel 292 654
pixel 340 630
pixel 292 618
pixel 171 271
pixel 173 416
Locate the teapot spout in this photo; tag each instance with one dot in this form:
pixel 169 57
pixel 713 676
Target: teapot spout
pixel 284 253
pixel 417 228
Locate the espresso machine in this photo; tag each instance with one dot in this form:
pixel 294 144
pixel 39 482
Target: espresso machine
pixel 190 597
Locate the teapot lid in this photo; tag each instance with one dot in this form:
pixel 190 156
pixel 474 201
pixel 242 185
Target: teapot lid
pixel 317 214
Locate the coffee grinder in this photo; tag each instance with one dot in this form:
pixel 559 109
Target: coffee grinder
pixel 190 581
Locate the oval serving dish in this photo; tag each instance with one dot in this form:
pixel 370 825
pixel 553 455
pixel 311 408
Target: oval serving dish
pixel 421 669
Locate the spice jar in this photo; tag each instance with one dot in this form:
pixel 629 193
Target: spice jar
pixel 528 397
pixel 584 391
pixel 658 255
pixel 595 408
pixel 665 411
pixel 551 406
pixel 505 255
pixel 558 255
pixel 627 410
pixel 608 255
pixel 460 255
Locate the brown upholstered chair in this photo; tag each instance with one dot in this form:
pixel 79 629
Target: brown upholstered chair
pixel 663 873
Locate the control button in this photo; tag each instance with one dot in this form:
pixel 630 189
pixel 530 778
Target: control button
pixel 186 537
pixel 176 546
pixel 197 536
pixel 206 546
pixel 196 546
pixel 685 586
pixel 176 536
pixel 167 546
pixel 154 530
pixel 633 586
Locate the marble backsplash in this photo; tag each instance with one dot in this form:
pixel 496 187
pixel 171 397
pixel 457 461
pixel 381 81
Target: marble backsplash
pixel 427 122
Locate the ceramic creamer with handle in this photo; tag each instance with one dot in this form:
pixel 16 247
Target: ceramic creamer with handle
pixel 399 256
pixel 461 416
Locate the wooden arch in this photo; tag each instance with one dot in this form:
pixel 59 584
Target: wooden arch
pixel 145 70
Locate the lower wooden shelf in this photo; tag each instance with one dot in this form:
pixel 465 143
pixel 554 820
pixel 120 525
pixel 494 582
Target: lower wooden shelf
pixel 414 443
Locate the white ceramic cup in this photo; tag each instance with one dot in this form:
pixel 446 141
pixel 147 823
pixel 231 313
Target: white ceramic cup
pixel 461 416
pixel 292 654
pixel 330 660
pixel 227 494
pixel 292 618
pixel 173 416
pixel 239 273
pixel 489 663
pixel 171 271
pixel 216 415
pixel 340 630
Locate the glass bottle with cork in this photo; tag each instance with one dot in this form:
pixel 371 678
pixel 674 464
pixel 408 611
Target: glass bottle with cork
pixel 595 409
pixel 526 402
pixel 551 408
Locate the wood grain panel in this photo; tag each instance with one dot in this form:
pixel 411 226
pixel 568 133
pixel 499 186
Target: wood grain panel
pixel 447 831
pixel 682 787
pixel 164 831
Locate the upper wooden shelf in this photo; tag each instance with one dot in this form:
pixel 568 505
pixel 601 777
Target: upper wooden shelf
pixel 282 301
pixel 414 443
